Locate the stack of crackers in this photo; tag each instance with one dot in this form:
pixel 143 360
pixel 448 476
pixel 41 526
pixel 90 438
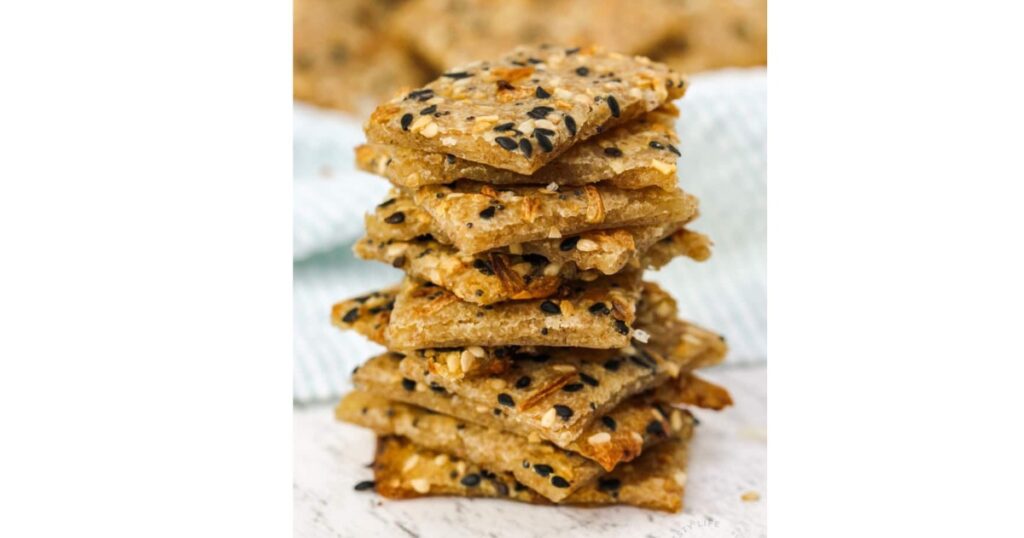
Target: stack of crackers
pixel 527 358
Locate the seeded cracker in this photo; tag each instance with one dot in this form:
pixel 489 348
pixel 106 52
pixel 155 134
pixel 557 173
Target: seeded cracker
pixel 428 316
pixel 641 153
pixel 340 58
pixel 474 216
pixel 607 251
pixel 475 111
pixel 403 470
pixel 497 276
pixel 616 436
pixel 453 32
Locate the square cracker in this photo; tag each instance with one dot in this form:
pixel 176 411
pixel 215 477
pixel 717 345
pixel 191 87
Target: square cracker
pixel 403 470
pixel 475 217
pixel 539 465
pixel 522 110
pixel 498 276
pixel 596 314
pixel 398 218
pixel 641 153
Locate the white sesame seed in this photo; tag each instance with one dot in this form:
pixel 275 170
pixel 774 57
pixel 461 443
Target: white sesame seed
pixel 467 360
pixel 410 462
pixel 563 368
pixel 440 459
pixel 586 245
pixel 497 383
pixel 554 233
pixel 553 269
pixel 553 187
pixel 641 335
pixel 430 131
pixel 453 362
pixel 600 438
pixel 663 167
pixel 477 351
pixel 636 437
pixel 548 419
pixel 421 485
pixel 676 420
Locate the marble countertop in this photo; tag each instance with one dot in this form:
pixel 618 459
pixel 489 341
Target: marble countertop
pixel 728 461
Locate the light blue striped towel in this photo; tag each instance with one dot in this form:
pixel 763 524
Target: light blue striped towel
pixel 723 131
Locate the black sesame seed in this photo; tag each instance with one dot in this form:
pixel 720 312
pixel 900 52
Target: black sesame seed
pixel 612 365
pixel 505 85
pixel 351 315
pixel 540 112
pixel 408 384
pixel 642 361
pixel 573 387
pixel 436 388
pixel 534 61
pixel 395 218
pixel 488 212
pixel 544 331
pixel 399 262
pixel 483 267
pixel 365 485
pixel 457 75
pixel 506 143
pixel 621 327
pixel 673 149
pixel 655 427
pixel 568 243
pixel 526 147
pixel 613 152
pixel 543 469
pixel 570 52
pixel 541 93
pixel 543 141
pixel 608 484
pixel 535 260
pixel 429 110
pixel 563 411
pixel 450 158
pixel 504 127
pixel 406 121
pixel 559 482
pixel 421 95
pixel 386 203
pixel 523 382
pixel 470 480
pixel 571 125
pixel 550 308
pixel 609 422
pixel 543 131
pixel 506 400
pixel 599 309
pixel 656 145
pixel 613 105
pixel 582 71
pixel 588 379
pixel 496 411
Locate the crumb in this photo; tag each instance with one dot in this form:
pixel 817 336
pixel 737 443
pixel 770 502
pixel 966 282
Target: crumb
pixel 750 496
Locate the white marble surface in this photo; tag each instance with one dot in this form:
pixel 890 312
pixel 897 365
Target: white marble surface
pixel 728 459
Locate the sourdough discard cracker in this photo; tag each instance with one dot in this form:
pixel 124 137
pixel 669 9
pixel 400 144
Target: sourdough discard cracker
pixel 641 153
pixel 403 470
pixel 523 110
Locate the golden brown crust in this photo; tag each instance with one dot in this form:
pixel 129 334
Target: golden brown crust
pixel 404 470
pixel 491 112
pixel 641 153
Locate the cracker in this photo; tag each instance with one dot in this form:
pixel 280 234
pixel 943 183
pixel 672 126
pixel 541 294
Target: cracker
pixel 713 34
pixel 617 436
pixel 641 153
pixel 428 316
pixel 494 449
pixel 492 111
pixel 497 276
pixel 404 470
pixel 607 251
pixel 452 32
pixel 474 217
pixel 340 58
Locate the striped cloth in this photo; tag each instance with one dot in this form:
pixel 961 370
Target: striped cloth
pixel 723 131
